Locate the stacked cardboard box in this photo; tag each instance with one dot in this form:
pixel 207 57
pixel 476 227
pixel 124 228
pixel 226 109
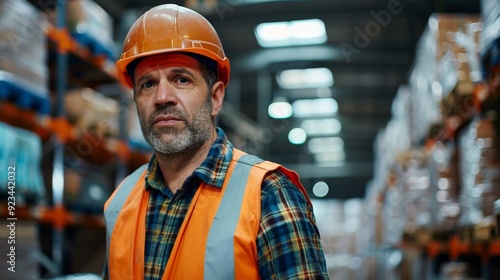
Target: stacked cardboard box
pixel 92 111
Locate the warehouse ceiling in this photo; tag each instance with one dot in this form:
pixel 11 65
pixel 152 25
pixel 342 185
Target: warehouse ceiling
pixel 367 73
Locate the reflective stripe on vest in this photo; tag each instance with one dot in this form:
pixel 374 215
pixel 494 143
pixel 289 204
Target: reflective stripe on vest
pixel 219 253
pixel 113 210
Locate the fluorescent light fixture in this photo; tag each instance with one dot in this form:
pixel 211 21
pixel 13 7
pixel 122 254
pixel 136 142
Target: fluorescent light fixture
pixel 291 33
pixel 318 107
pixel 330 158
pixel 297 136
pixel 305 78
pixel 321 127
pixel 325 144
pixel 280 110
pixel 327 151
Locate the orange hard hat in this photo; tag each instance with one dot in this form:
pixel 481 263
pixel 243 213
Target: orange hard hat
pixel 171 28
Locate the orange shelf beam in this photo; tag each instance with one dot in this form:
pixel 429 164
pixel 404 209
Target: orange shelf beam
pixel 25 119
pixel 67 44
pixel 62 128
pixel 455 248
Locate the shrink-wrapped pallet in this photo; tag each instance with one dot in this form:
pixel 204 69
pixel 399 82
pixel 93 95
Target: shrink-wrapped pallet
pixel 23 52
pixel 445 70
pixel 92 26
pixel 414 181
pixel 480 172
pixel 490 43
pixel 445 207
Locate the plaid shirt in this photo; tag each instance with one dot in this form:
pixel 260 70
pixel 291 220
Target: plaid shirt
pixel 288 242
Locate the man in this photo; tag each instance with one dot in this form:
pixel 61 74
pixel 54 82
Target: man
pixel 200 209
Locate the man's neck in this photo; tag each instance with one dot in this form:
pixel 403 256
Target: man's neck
pixel 175 168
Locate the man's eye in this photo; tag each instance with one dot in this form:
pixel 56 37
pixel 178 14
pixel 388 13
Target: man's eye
pixel 183 80
pixel 148 84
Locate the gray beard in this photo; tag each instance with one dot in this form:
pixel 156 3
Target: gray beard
pixel 185 139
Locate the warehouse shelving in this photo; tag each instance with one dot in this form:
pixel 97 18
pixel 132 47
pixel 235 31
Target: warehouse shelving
pixel 438 115
pixel 70 63
pixel 65 43
pixel 68 48
pixel 59 217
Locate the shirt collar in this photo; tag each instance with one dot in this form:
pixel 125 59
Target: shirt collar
pixel 212 171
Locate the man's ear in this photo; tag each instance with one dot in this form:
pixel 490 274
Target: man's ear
pixel 218 92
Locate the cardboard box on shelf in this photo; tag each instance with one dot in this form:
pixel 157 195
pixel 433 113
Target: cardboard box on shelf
pixel 91 111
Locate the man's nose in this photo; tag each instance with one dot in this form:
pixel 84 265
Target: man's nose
pixel 165 94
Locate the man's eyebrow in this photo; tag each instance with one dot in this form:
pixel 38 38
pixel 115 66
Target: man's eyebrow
pixel 144 78
pixel 178 70
pixel 184 71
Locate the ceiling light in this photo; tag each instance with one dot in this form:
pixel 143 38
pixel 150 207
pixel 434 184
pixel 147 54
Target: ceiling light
pixel 317 107
pixel 280 110
pixel 297 136
pixel 327 151
pixel 320 189
pixel 305 78
pixel 338 156
pixel 325 144
pixel 291 33
pixel 330 158
pixel 321 126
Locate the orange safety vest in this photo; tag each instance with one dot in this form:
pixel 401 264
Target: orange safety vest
pixel 213 221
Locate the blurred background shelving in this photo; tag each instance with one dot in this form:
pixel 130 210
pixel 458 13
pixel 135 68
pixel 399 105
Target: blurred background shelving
pixel 399 149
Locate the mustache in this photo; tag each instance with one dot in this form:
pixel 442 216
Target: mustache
pixel 168 110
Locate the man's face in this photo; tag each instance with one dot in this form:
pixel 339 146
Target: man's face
pixel 173 103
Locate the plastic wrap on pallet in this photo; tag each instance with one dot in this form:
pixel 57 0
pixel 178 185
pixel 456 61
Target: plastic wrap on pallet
pixel 490 15
pixel 425 110
pixel 21 72
pixel 390 141
pixel 374 203
pixel 22 30
pixel 22 150
pixel 445 207
pixel 7 152
pixel 414 182
pixel 29 158
pixel 480 171
pixel 394 137
pixel 23 52
pixel 393 219
pixel 446 67
pixel 90 24
pixel 401 110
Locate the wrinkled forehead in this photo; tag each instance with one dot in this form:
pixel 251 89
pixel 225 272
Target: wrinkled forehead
pixel 163 61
